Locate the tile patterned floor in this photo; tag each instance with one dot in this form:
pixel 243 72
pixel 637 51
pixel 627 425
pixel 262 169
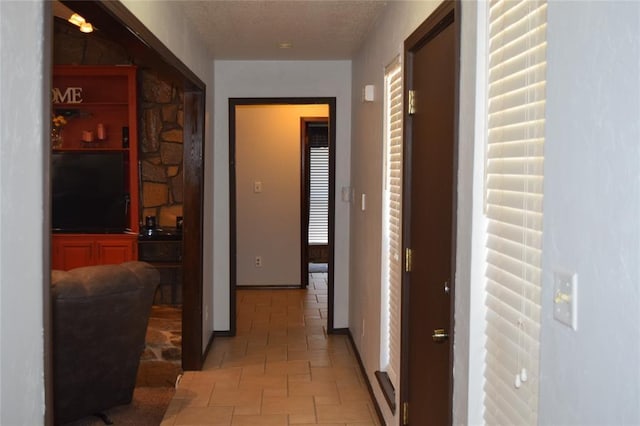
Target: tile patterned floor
pixel 281 368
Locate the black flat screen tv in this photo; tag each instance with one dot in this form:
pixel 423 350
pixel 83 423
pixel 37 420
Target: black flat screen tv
pixel 88 192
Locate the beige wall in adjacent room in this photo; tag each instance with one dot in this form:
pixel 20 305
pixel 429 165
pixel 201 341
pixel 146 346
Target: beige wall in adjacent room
pixel 268 222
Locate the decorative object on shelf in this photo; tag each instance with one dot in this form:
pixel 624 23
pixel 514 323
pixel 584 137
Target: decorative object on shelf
pixel 71 95
pixel 87 136
pixel 101 132
pixel 57 124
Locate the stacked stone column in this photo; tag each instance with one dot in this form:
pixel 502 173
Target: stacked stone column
pixel 161 145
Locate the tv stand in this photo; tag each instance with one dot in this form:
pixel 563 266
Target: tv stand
pixel 99 104
pixel 73 250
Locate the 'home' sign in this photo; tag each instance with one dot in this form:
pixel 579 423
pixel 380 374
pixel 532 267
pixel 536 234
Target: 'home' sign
pixel 73 95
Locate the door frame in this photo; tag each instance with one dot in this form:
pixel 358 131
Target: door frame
pixel 448 13
pixel 233 102
pixel 305 179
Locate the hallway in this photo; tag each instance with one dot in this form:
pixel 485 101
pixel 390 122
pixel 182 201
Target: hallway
pixel 280 369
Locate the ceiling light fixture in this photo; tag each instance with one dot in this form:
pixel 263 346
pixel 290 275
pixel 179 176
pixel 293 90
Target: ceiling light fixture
pixel 76 19
pixel 79 21
pixel 285 45
pixel 86 27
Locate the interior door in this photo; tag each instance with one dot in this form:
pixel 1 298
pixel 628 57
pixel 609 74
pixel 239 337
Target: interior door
pixel 429 220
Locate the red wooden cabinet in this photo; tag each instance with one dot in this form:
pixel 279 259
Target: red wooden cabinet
pixel 74 250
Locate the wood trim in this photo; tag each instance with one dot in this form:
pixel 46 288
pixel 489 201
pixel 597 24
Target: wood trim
pixel 233 102
pixel 304 205
pixel 192 236
pixel 333 147
pixel 268 287
pixel 387 389
pixel 444 15
pixel 233 226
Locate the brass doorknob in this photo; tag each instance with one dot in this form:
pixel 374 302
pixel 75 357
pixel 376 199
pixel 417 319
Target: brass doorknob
pixel 440 335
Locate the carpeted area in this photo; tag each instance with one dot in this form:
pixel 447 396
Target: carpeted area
pixel 146 409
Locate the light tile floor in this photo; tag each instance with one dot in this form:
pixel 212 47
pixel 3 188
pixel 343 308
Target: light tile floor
pixel 281 368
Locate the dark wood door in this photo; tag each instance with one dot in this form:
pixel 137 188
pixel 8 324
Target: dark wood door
pixel 429 219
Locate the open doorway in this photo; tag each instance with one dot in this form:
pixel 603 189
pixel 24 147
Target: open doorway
pixel 258 219
pixel 122 34
pixel 314 206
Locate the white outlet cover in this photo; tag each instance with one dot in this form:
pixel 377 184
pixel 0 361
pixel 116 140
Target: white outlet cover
pixel 565 298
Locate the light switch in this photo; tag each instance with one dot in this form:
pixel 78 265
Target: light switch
pixel 257 186
pixel 565 298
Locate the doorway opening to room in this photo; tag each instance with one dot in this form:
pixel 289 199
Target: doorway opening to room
pixel 314 206
pixel 124 40
pixel 269 192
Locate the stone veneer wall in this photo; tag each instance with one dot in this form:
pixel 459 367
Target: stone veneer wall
pixel 160 120
pixel 160 139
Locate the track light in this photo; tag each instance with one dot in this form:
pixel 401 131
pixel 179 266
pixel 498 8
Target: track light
pixel 79 21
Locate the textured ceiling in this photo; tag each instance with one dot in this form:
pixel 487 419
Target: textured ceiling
pixel 254 29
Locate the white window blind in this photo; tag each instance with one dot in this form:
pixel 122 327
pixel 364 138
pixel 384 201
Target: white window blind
pixel 392 223
pixel 513 197
pixel 319 195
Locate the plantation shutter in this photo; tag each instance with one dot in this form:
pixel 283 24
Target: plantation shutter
pixel 513 197
pixel 319 195
pixel 392 221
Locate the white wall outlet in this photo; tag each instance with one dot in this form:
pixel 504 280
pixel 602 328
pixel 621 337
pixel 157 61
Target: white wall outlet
pixel 257 186
pixel 258 262
pixel 565 298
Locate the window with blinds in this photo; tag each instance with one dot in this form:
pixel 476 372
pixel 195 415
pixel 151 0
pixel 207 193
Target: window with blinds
pixel 318 194
pixel 513 204
pixel 391 223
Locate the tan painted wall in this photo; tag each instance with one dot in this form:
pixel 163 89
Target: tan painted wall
pixel 268 222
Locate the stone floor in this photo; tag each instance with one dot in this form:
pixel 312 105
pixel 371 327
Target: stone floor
pixel 161 361
pixel 280 369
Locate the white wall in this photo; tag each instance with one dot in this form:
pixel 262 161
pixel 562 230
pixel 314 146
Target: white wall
pixel 245 79
pixel 268 223
pixel 24 253
pixel 469 315
pixel 592 213
pixel 168 22
pixel 384 43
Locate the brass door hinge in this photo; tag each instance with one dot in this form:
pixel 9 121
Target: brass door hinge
pixel 412 102
pixel 408 259
pixel 405 413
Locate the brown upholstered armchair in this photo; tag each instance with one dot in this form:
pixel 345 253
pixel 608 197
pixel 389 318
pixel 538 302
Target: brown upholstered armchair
pixel 100 316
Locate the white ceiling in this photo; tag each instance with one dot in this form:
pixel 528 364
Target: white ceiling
pixel 254 29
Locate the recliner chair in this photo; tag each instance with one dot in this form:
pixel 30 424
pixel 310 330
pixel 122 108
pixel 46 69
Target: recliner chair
pixel 100 316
